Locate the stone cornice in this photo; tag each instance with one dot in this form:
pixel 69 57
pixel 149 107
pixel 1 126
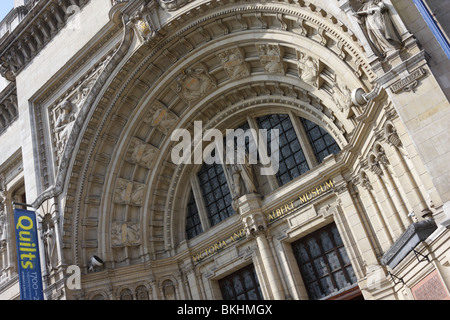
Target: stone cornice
pixel 42 23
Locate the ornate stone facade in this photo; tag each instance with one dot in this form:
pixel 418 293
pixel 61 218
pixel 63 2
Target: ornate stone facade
pixel 86 122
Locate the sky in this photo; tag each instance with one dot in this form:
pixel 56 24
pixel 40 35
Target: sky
pixel 5 7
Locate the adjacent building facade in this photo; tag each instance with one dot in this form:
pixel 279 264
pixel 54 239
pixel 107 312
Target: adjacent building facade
pixel 97 96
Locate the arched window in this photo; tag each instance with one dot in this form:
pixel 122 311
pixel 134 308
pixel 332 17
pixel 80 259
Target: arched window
pixel 302 145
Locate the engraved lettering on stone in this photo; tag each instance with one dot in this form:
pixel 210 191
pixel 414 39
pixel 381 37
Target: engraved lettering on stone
pixel 409 82
pixel 271 58
pixel 140 152
pixel 125 234
pixel 128 192
pixel 233 63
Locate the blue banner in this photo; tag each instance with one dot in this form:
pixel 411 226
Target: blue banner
pixel 27 243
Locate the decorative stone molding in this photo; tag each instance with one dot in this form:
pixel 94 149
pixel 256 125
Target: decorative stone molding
pixel 43 21
pixel 172 5
pixel 146 62
pixel 8 107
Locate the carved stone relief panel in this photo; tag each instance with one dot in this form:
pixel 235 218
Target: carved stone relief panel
pixel 125 234
pixel 63 114
pixel 342 97
pixel 160 117
pixel 194 83
pixel 233 62
pixel 309 69
pixel 129 192
pixel 140 152
pixel 271 56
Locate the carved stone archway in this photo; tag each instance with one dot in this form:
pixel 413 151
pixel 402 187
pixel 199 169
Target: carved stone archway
pixel 120 205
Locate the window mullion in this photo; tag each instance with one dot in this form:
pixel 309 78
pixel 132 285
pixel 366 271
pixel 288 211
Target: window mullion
pixel 272 179
pixel 304 141
pixel 202 212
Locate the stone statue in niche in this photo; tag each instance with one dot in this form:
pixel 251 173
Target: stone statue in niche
pixel 63 125
pixel 233 63
pixel 270 56
pixel 243 179
pixel 49 240
pixel 309 69
pixel 194 83
pixel 374 16
pixel 161 118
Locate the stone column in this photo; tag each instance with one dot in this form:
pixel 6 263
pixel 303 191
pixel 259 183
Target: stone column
pixel 255 226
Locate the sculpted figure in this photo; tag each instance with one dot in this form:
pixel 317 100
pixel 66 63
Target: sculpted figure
pixel 243 180
pixel 377 23
pixel 63 125
pixel 194 83
pixel 309 70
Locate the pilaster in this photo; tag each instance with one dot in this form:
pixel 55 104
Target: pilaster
pixel 255 226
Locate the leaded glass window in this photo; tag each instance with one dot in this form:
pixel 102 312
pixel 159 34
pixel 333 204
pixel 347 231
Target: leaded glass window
pixel 292 159
pixel 322 142
pixel 215 192
pixel 324 263
pixel 241 285
pixel 193 223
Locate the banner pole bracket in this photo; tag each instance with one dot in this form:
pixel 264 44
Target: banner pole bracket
pixel 14 203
